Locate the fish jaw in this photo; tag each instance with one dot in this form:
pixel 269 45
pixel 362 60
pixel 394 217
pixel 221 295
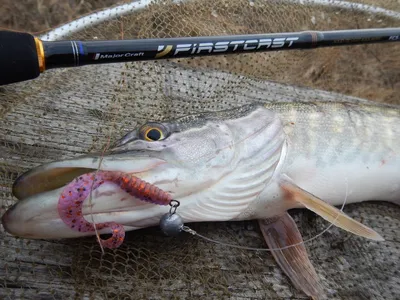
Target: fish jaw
pixel 36 215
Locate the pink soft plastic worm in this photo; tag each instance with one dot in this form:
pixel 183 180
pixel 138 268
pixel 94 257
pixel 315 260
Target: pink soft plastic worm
pixel 73 195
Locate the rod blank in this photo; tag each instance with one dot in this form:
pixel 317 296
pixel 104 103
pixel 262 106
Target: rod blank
pixel 63 54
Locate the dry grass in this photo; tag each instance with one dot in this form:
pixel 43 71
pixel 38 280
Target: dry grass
pixel 38 15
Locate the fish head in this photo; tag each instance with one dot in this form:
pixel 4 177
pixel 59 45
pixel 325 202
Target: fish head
pixel 214 163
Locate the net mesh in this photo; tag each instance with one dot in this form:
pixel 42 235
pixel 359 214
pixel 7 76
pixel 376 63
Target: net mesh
pixel 69 112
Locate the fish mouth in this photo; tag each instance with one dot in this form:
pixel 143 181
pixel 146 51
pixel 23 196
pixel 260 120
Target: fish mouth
pixel 36 216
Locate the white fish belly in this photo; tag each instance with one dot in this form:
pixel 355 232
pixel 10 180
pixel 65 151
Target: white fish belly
pixel 350 181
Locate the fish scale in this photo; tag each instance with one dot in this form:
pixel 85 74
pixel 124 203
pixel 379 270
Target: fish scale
pixel 355 129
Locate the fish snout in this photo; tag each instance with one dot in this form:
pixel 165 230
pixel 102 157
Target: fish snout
pixel 9 221
pixel 32 218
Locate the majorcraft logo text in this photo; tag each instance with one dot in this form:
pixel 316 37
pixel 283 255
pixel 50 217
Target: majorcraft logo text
pixel 117 55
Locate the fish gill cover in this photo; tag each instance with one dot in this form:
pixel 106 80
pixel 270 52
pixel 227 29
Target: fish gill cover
pixel 70 112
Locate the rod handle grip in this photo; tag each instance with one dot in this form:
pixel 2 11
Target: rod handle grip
pixel 18 57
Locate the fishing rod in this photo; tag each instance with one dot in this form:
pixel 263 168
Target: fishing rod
pixel 24 56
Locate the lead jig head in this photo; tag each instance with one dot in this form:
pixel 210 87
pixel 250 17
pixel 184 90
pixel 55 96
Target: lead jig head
pixel 171 223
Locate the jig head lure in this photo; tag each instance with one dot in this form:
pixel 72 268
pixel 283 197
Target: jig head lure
pixel 171 223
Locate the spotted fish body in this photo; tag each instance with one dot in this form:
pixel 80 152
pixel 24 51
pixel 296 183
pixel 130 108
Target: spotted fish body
pixel 334 147
pixel 331 145
pixel 335 132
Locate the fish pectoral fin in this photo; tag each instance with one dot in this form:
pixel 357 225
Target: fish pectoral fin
pixel 326 211
pixel 280 232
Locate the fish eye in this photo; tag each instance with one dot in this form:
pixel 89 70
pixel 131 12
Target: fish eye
pixel 152 132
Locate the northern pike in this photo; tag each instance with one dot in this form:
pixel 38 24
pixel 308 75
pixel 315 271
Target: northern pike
pixel 253 162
